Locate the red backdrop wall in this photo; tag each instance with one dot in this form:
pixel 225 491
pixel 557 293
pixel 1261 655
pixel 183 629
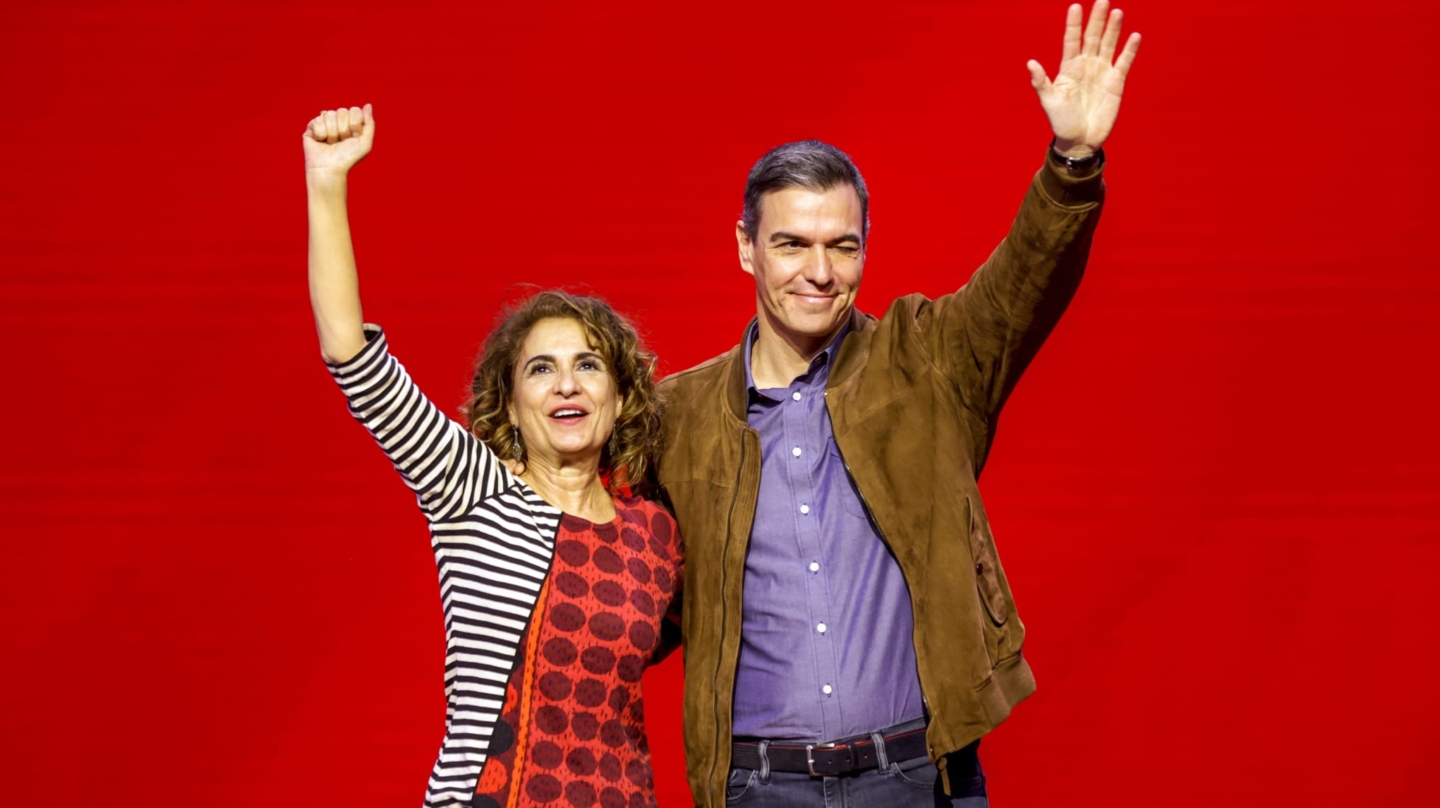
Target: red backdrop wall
pixel 1215 492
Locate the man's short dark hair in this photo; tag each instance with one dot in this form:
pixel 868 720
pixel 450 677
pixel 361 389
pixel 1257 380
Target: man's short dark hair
pixel 809 164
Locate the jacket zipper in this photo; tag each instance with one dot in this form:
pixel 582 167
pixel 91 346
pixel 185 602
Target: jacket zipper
pixel 870 516
pixel 720 659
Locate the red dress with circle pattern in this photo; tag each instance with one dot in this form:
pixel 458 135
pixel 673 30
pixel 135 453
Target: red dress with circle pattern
pixel 572 732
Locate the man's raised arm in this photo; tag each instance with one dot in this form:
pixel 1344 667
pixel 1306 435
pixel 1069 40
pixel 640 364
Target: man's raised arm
pixel 990 330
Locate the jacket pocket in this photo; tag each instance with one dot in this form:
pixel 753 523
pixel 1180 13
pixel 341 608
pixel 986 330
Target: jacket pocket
pixel 987 568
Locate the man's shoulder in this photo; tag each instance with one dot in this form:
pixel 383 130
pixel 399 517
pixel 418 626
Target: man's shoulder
pixel 710 372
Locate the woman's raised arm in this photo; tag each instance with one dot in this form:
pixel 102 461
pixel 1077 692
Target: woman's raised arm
pixel 335 141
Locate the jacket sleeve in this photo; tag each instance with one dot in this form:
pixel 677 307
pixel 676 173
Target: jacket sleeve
pixel 448 468
pixel 984 335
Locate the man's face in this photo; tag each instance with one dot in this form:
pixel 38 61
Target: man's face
pixel 807 259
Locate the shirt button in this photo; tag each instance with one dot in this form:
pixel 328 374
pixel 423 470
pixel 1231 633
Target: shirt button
pixel 827 690
pixel 814 566
pixel 804 508
pixel 795 395
pixel 795 451
pixel 820 627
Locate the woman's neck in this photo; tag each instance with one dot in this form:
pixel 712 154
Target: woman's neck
pixel 574 489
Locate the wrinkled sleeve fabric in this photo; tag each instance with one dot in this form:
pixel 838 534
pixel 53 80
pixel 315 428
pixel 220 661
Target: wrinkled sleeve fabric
pixel 984 335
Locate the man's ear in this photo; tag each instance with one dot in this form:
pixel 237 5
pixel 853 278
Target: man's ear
pixel 742 241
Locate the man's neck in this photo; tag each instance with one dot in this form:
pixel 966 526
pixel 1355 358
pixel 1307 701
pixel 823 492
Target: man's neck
pixel 778 358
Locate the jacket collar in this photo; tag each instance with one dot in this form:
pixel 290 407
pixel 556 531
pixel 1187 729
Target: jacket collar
pixel 842 364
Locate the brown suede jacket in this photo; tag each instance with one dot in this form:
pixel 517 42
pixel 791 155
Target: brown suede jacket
pixel 913 398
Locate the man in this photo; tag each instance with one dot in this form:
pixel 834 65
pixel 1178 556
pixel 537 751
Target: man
pixel 850 635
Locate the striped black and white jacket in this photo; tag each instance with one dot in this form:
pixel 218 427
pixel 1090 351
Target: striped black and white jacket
pixel 493 537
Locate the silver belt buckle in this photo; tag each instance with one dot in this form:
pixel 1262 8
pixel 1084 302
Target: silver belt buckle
pixel 810 756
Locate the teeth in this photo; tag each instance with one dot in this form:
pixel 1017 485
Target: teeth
pixel 566 413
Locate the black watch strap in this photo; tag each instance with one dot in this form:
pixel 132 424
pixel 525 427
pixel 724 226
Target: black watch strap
pixel 1077 164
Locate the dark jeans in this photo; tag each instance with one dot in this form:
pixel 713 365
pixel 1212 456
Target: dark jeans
pixel 909 783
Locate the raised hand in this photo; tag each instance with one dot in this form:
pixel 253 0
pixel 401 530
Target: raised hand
pixel 1084 99
pixel 337 139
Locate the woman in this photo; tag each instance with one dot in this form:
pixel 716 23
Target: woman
pixel 557 587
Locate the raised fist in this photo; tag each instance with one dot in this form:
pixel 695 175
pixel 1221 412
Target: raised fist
pixel 337 139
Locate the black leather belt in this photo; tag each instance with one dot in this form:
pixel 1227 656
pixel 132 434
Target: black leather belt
pixel 830 759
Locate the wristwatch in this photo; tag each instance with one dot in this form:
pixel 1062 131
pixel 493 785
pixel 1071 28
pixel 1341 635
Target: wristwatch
pixel 1077 165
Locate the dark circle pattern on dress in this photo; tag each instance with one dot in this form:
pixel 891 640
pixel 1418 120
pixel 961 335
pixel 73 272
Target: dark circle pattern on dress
pixel 637 800
pixel 637 711
pixel 572 552
pixel 630 669
pixel 547 755
pixel 483 801
pixel 607 560
pixel 585 726
pixel 551 720
pixel 598 660
pixel 661 527
pixel 554 686
pixel 560 652
pixel 612 797
pixel 642 636
pixel 631 538
pixel 612 733
pixel 567 617
pixel 501 738
pixel 638 570
pixel 610 767
pixel 619 697
pixel 571 585
pixel 581 761
pixel 607 626
pixel 590 693
pixel 642 602
pixel 660 550
pixel 609 593
pixel 580 794
pixel 664 580
pixel 543 788
pixel 607 533
pixel 635 772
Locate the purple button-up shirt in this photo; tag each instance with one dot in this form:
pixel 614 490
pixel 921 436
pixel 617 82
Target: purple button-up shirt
pixel 825 644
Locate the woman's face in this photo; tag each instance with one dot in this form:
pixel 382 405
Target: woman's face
pixel 565 398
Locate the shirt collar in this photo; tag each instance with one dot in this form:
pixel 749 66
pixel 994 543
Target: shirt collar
pixel 822 360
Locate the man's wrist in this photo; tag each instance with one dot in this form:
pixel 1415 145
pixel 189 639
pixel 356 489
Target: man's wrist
pixel 1072 149
pixel 1075 158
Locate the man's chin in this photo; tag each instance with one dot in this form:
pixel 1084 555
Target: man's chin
pixel 814 326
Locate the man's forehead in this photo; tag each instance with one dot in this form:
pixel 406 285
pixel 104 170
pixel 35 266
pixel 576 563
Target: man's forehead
pixel 838 205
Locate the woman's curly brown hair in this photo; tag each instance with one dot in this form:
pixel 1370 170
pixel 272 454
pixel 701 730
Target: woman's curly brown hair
pixel 631 456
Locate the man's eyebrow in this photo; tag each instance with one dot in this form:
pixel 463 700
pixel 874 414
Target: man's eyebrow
pixel 783 236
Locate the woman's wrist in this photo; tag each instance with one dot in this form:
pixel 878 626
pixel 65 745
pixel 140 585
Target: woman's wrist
pixel 326 182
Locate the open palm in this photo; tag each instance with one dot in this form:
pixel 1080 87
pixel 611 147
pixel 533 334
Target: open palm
pixel 1084 99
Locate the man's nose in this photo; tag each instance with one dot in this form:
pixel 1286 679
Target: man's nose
pixel 820 268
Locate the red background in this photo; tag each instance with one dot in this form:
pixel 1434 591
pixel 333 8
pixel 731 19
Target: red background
pixel 1215 493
